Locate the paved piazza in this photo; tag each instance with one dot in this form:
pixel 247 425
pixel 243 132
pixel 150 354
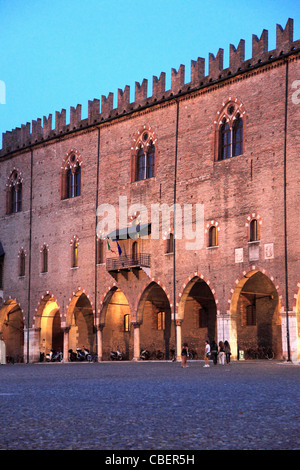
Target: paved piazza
pixel 150 406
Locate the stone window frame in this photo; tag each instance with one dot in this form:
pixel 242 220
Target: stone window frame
pixel 44 250
pixel 74 244
pixel 14 182
pixel 22 262
pixel 212 224
pixel 228 113
pixel 253 216
pixel 71 163
pixel 142 140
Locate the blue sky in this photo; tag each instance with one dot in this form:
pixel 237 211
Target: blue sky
pixel 60 53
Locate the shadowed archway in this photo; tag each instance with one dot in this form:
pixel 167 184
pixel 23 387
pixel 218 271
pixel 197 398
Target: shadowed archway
pixel 12 330
pixel 156 327
pixel 255 315
pixel 198 312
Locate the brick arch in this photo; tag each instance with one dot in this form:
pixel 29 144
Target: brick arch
pixel 221 113
pixel 18 172
pixel 40 307
pixel 140 300
pixel 105 299
pixel 184 291
pixel 72 303
pixel 5 308
pixel 254 269
pixel 136 141
pixel 66 161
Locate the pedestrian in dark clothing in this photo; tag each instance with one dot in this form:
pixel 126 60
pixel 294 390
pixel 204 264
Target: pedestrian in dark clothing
pixel 184 354
pixel 227 351
pixel 214 352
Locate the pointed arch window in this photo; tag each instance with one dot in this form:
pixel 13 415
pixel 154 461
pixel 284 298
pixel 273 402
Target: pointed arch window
pixel 135 252
pixel 44 259
pixel 22 264
pixel 14 193
pixel 237 131
pixel 150 160
pixel 229 129
pixel 213 236
pixel 74 252
pixel 144 155
pixel 170 244
pixel 100 251
pixel 225 141
pixel 71 176
pixel 254 230
pixel 141 165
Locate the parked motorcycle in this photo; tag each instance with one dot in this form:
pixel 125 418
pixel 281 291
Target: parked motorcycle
pixel 54 356
pixel 82 355
pixel 116 356
pixel 89 356
pixel 72 355
pixel 145 355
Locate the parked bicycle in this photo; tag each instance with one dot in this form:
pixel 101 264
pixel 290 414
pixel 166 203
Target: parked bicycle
pixel 158 354
pixel 260 352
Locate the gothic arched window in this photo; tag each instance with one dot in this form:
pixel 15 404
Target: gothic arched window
pixel 229 130
pixel 237 137
pixel 71 176
pixel 144 155
pixel 14 193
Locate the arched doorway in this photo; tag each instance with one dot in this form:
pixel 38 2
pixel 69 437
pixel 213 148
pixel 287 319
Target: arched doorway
pixel 80 319
pixel 255 316
pixel 198 312
pixel 12 330
pixel 51 335
pixel 156 327
pixel 116 322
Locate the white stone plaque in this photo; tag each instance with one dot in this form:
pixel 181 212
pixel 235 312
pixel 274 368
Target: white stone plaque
pixel 239 255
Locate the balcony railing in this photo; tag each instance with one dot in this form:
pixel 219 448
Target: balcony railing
pixel 128 262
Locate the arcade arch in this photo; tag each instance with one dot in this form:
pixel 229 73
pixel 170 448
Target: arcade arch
pixel 12 330
pixel 255 314
pixel 116 326
pixel 49 322
pixel 197 315
pixel 80 320
pixel 154 317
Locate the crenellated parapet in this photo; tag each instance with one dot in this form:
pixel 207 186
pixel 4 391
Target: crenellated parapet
pixel 102 110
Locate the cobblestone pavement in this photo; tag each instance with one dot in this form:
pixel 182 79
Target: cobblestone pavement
pixel 150 406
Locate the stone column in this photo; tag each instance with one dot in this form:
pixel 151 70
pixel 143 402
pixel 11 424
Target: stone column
pixel 178 339
pixel 66 344
pixel 136 342
pixel 32 336
pixel 100 342
pixel 291 330
pixel 226 330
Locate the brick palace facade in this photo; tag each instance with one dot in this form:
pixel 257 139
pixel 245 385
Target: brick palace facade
pixel 226 143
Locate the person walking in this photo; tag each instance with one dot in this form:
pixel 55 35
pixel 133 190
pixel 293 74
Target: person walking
pixel 184 354
pixel 221 353
pixel 207 354
pixel 227 351
pixel 214 352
